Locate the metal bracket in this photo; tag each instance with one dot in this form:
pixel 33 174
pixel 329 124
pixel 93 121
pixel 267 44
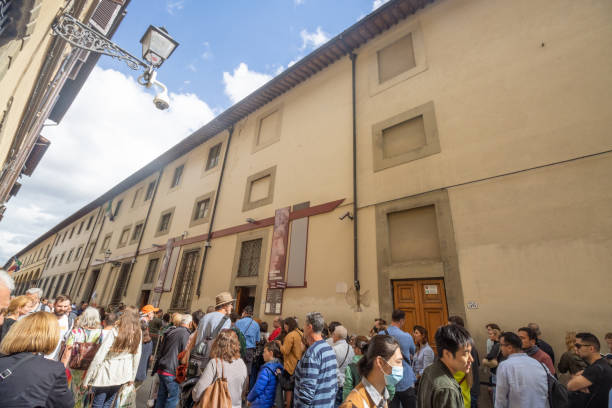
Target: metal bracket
pixel 84 37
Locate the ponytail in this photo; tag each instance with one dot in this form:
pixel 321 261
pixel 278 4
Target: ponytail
pixel 380 345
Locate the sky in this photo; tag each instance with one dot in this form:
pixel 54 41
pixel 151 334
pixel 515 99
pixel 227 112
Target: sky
pixel 227 50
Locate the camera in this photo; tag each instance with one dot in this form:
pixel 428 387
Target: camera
pixel 161 100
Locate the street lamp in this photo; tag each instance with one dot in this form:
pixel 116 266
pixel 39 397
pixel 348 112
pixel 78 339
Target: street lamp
pixel 157 46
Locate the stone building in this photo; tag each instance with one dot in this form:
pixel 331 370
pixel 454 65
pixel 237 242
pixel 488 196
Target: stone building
pixel 441 157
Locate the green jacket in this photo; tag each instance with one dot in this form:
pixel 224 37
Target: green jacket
pixel 352 378
pixel 438 388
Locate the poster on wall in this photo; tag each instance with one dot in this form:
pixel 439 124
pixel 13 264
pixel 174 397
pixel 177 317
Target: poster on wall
pixel 159 285
pixel 274 301
pixel 278 254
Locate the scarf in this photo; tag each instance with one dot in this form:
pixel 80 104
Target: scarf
pixel 531 350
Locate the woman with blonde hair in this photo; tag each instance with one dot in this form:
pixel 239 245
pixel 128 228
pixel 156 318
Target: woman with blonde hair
pixel 570 361
pixel 83 339
pixel 32 380
pixel 224 361
pixel 19 307
pixel 116 362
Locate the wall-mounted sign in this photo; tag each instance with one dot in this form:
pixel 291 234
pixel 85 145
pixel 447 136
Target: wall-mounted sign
pixel 274 301
pixel 278 254
pixel 431 289
pixel 472 305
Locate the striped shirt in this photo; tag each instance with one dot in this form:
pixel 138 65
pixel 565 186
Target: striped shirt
pixel 316 382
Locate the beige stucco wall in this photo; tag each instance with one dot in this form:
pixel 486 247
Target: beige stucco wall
pixel 33 264
pixel 537 247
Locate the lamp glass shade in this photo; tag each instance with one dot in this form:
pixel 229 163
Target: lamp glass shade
pixel 157 45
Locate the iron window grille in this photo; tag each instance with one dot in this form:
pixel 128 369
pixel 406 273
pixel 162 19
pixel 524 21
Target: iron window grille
pixel 250 255
pixel 181 297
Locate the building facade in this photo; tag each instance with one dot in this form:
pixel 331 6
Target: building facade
pixel 443 158
pixel 40 75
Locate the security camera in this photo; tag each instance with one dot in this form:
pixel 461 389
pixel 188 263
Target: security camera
pixel 162 101
pixel 149 79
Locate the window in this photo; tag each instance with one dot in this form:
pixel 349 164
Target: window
pixel 137 232
pixel 122 282
pixel 54 261
pixel 69 255
pixel 201 209
pixel 81 227
pixel 213 156
pixel 64 237
pixel 67 284
pixel 151 270
pixel 105 243
pixel 165 220
pixel 78 253
pixel 268 129
pixel 136 196
pixel 47 251
pixel 89 223
pixel 150 190
pixel 259 189
pixel 51 284
pixel 58 287
pixel 123 238
pixel 405 137
pixel 61 259
pixel 71 232
pixel 250 254
pixel 396 58
pixel 90 249
pixel 176 178
pixel 117 208
pixel 181 298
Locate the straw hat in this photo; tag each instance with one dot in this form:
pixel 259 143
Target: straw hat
pixel 223 298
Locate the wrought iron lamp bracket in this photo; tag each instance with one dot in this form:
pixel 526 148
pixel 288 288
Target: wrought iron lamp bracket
pixel 86 38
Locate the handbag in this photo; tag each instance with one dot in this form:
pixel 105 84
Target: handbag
pixel 181 369
pixel 217 394
pixel 82 354
pixel 126 397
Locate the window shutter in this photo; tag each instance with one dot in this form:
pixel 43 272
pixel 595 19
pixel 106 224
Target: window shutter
pixel 104 15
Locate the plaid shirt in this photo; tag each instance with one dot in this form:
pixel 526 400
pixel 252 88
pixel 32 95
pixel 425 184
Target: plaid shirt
pixel 316 382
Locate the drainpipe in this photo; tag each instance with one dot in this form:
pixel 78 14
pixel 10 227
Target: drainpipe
pixel 355 242
pixel 144 227
pixel 86 248
pixel 214 211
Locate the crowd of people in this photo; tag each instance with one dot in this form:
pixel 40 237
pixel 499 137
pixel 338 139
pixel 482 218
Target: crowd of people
pixel 55 354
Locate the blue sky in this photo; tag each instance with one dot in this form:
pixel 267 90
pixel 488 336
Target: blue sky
pixel 227 50
pixel 216 37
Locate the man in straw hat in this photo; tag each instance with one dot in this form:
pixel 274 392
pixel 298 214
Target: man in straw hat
pixel 209 327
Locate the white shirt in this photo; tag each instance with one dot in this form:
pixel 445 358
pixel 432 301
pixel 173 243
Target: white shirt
pixel 64 328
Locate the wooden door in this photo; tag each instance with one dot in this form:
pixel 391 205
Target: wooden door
pixel 424 302
pixel 242 298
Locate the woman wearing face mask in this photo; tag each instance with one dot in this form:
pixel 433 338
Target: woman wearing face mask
pixel 379 367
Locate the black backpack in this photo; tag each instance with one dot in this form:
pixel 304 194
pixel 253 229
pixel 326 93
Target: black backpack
pixel 279 401
pixel 200 354
pixel 558 396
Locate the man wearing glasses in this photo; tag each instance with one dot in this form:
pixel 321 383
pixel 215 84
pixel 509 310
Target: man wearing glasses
pixel 596 379
pixel 521 380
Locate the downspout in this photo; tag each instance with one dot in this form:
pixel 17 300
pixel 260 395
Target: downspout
pixel 353 57
pixel 86 248
pixel 214 211
pixel 144 227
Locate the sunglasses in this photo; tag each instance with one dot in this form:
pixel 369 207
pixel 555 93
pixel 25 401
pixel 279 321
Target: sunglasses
pixel 578 345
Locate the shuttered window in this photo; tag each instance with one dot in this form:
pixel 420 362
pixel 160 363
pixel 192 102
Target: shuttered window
pixel 185 280
pixel 122 282
pixel 213 156
pixel 151 270
pixel 104 15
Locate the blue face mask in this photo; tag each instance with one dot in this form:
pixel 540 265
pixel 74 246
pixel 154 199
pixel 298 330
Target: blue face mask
pixel 397 373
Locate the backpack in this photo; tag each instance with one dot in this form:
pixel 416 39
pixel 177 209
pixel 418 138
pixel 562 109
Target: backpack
pixel 279 400
pixel 557 393
pixel 217 394
pixel 242 341
pixel 200 354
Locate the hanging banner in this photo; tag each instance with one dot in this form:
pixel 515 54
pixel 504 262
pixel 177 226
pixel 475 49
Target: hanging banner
pixel 161 278
pixel 278 254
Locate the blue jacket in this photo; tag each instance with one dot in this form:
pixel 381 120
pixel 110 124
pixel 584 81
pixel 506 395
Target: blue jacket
pixel 263 392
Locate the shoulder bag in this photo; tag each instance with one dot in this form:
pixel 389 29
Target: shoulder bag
pixel 217 394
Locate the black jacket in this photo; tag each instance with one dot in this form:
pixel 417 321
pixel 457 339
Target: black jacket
pixel 38 382
pixel 545 347
pixel 174 341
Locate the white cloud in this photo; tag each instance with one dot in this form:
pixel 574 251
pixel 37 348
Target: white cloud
pixel 172 6
pixel 111 130
pixel 377 3
pixel 314 39
pixel 192 67
pixel 293 61
pixel 242 82
pixel 207 54
pixel 299 2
